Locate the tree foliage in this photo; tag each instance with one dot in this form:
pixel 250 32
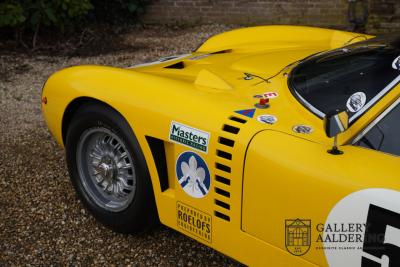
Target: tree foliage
pixel 116 11
pixel 31 15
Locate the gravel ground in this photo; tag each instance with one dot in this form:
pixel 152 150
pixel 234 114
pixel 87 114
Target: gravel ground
pixel 42 222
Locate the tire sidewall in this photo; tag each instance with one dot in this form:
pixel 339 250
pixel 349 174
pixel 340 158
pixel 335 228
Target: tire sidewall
pixel 141 211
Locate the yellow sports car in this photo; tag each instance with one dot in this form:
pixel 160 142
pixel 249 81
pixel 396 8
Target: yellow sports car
pixel 275 145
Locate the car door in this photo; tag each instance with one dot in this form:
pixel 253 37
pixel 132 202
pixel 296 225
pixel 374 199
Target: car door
pixel 383 136
pixel 328 209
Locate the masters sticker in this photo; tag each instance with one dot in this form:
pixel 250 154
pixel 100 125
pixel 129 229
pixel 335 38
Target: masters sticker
pixel 188 136
pixel 194 221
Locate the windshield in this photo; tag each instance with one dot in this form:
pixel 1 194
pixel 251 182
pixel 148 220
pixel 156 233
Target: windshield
pixel 352 78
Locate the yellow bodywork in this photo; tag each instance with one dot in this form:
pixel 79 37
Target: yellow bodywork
pixel 274 173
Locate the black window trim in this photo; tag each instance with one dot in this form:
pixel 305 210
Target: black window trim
pixel 375 122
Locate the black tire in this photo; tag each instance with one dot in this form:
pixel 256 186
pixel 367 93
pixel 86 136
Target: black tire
pixel 141 214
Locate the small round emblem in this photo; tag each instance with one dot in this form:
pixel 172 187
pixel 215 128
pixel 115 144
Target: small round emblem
pixel 303 129
pixel 267 119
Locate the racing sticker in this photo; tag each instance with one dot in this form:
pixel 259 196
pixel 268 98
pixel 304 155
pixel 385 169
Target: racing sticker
pixel 194 221
pixel 356 102
pixel 193 174
pixel 268 119
pixel 267 95
pixel 369 224
pixel 246 112
pixel 396 64
pixel 303 129
pixel 189 136
pixel 270 95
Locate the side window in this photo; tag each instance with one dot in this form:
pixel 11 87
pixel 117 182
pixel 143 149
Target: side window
pixel 385 135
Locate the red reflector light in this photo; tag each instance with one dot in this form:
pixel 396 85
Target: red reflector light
pixel 264 101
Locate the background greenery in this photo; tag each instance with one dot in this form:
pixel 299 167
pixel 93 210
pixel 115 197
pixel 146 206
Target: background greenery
pixel 29 17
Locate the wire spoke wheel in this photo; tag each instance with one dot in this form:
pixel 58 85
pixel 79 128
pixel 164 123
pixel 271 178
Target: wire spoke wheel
pixel 106 169
pixel 109 171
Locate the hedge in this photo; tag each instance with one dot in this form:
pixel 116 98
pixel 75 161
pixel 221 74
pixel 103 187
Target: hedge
pixel 31 15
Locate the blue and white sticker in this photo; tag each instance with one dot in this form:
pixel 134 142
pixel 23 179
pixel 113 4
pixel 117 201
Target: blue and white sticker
pixel 267 119
pixel 303 129
pixel 193 174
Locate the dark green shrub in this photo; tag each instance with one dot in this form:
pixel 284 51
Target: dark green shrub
pixel 58 13
pixel 116 11
pixel 11 14
pixel 32 15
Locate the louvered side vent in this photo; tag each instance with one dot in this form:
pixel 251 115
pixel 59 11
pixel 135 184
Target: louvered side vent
pixel 223 167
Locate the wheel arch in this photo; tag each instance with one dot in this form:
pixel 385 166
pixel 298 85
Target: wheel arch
pixel 73 107
pixel 156 146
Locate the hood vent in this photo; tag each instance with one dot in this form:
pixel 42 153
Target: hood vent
pixel 224 167
pixel 222 52
pixel 178 66
pixel 181 65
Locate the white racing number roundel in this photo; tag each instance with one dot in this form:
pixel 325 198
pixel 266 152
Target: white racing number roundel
pixel 376 212
pixel 193 174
